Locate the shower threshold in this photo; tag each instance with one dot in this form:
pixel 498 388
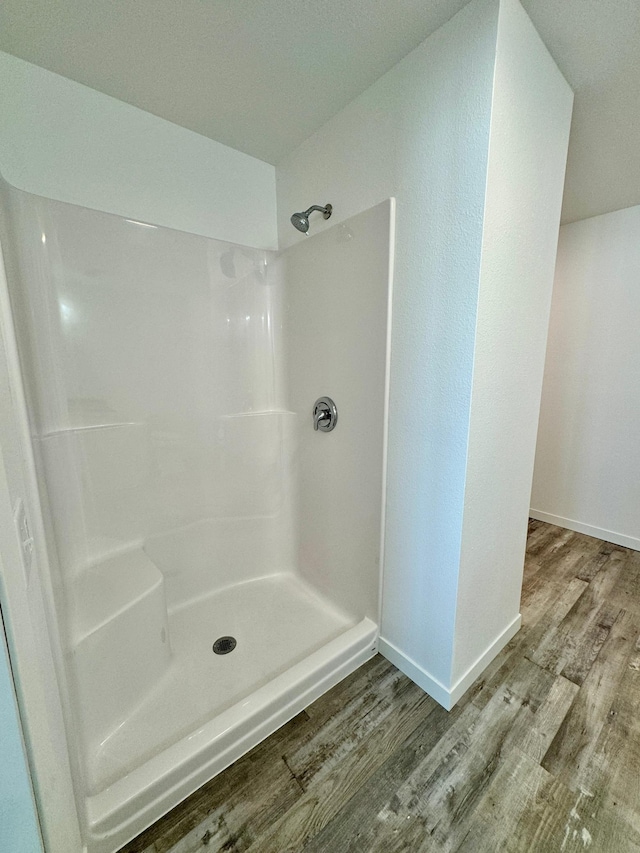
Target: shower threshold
pixel 209 709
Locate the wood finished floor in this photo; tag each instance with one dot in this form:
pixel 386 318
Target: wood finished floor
pixel 542 753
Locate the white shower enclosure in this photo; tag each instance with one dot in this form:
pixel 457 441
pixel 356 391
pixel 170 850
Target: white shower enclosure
pixel 185 495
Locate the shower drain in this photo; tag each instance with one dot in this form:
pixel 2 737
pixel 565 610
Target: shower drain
pixel 224 645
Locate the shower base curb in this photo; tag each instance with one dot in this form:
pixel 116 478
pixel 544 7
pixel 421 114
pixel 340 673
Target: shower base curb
pixel 126 808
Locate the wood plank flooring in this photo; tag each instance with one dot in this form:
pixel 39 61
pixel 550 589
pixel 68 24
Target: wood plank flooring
pixel 541 754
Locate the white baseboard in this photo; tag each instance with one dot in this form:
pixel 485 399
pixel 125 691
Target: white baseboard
pixel 588 529
pixel 448 696
pixel 416 673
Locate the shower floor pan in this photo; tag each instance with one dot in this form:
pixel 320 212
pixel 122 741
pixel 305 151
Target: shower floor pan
pixel 208 709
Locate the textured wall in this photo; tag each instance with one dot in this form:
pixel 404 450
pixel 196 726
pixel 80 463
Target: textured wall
pixel 588 456
pixel 527 155
pixel 476 163
pixel 420 134
pixel 68 142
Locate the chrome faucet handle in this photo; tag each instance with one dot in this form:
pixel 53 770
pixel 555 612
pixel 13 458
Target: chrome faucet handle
pixel 325 414
pixel 320 415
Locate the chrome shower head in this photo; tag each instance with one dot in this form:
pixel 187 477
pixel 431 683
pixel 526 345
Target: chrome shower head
pixel 301 220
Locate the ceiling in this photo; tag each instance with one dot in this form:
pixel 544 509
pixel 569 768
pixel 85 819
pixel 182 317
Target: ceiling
pixel 263 76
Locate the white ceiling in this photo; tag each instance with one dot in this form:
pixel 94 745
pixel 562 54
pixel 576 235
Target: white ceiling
pixel 263 75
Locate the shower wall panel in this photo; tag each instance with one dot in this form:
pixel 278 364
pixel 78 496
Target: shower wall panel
pixel 170 381
pixel 154 377
pixel 336 322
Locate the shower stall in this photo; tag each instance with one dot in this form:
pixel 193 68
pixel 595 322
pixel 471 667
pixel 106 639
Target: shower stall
pixel 211 562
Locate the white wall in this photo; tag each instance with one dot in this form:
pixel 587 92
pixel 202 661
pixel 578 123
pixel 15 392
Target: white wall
pixel 476 162
pixel 420 133
pixel 335 331
pixel 19 831
pixel 588 454
pixel 68 142
pixel 527 155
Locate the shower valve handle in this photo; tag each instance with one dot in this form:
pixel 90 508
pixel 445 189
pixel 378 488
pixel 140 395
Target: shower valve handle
pixel 319 417
pixel 325 414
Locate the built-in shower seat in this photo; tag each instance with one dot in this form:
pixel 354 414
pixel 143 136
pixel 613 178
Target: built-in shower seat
pixel 120 645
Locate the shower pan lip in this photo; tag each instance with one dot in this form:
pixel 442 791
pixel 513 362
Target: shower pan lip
pixel 120 812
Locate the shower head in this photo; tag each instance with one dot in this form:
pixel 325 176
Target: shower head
pixel 301 220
